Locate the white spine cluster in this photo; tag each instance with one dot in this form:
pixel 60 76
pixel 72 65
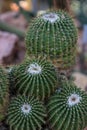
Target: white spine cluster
pixel 74 99
pixel 34 69
pixel 51 17
pixel 26 108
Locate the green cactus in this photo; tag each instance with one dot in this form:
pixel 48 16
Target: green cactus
pixel 4 93
pixel 36 77
pixel 26 113
pixel 67 109
pixel 54 36
pixel 11 70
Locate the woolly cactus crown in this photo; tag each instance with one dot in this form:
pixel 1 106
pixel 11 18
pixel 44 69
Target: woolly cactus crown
pixel 53 35
pixel 67 109
pixel 36 77
pixel 3 92
pixel 26 113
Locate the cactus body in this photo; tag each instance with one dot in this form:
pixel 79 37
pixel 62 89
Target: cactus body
pixel 36 77
pixel 11 70
pixel 67 109
pixel 53 35
pixel 4 96
pixel 26 114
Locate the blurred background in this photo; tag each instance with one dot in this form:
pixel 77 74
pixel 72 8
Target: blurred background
pixel 15 16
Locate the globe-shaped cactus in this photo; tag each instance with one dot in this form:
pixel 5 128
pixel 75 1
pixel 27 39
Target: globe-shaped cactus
pixel 53 35
pixel 4 93
pixel 36 77
pixel 67 108
pixel 26 113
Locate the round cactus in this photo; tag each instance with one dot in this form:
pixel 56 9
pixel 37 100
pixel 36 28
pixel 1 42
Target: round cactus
pixel 36 77
pixel 53 35
pixel 25 113
pixel 4 93
pixel 67 108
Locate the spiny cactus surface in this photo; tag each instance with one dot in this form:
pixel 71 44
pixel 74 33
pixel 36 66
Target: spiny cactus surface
pixel 26 113
pixel 36 77
pixel 11 70
pixel 67 108
pixel 4 90
pixel 53 35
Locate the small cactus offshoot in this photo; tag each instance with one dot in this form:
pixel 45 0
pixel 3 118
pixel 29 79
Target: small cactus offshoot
pixel 67 109
pixel 10 70
pixel 36 77
pixel 4 93
pixel 26 113
pixel 54 35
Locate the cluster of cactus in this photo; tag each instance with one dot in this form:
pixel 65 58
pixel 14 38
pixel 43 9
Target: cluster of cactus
pixel 54 36
pixel 43 99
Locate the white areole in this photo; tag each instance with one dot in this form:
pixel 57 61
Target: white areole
pixel 74 99
pixel 34 69
pixel 26 108
pixel 51 17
